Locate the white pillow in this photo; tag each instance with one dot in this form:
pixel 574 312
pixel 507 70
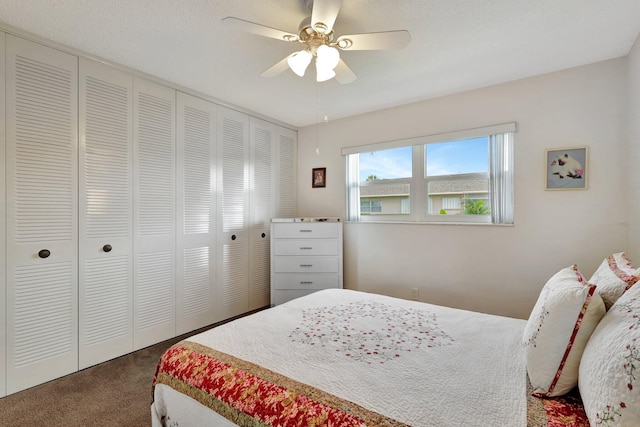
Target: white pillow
pixel 566 313
pixel 613 277
pixel 610 366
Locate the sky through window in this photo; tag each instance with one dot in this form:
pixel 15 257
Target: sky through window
pixel 446 158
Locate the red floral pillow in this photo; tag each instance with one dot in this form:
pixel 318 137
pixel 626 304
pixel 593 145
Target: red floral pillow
pixel 613 277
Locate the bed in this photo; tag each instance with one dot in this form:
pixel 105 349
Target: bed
pixel 347 358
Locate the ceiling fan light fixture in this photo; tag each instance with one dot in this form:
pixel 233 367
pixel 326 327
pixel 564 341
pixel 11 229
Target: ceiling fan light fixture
pixel 323 73
pixel 299 61
pixel 327 56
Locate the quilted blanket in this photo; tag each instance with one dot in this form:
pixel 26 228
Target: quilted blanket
pixel 346 358
pixel 246 393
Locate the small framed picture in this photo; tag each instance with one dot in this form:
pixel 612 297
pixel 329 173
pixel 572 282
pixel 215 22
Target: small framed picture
pixel 567 168
pixel 319 177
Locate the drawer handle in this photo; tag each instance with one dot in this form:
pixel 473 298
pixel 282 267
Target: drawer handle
pixel 44 253
pixel 306 265
pixel 306 231
pixel 306 283
pixel 107 248
pixel 306 247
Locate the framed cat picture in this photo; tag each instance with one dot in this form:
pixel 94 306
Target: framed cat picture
pixel 566 168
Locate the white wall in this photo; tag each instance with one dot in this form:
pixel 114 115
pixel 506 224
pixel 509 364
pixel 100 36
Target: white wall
pixel 492 269
pixel 634 152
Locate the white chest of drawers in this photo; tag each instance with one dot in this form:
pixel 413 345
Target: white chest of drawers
pixel 306 256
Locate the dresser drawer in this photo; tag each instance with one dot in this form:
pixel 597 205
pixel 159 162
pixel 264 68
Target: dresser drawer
pixel 306 281
pixel 314 230
pixel 306 264
pixel 305 247
pixel 306 256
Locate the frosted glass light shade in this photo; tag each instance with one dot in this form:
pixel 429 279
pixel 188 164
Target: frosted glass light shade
pixel 327 59
pixel 299 61
pixel 323 73
pixel 328 56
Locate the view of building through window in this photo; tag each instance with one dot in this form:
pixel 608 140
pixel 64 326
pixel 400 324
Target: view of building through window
pixel 385 179
pixel 456 179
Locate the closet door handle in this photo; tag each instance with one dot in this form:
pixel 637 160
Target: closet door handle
pixel 233 237
pixel 107 248
pixel 263 235
pixel 44 253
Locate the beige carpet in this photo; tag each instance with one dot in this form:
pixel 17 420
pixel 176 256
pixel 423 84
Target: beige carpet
pixel 115 393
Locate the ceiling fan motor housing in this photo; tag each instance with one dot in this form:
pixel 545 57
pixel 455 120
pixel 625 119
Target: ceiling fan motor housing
pixel 312 38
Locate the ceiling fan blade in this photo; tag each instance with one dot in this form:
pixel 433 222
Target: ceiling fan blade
pixel 344 75
pixel 261 30
pixel 374 41
pixel 324 15
pixel 277 68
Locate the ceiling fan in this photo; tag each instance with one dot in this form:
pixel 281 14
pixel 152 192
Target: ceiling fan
pixel 320 42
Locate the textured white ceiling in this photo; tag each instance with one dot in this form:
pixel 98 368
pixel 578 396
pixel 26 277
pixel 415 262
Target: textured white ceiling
pixel 456 45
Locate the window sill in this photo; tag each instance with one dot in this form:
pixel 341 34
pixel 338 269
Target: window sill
pixel 481 224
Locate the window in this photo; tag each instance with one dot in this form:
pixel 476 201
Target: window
pixel 463 176
pixel 405 206
pixel 386 176
pixel 370 206
pixel 451 203
pixel 453 169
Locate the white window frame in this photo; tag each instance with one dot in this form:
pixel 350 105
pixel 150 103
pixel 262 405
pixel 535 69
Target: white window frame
pixel 500 176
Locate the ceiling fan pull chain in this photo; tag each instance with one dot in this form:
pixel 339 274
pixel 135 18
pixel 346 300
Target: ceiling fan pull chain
pixel 324 96
pixel 316 120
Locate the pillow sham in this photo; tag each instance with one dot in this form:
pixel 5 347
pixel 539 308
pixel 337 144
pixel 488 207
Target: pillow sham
pixel 613 277
pixel 610 367
pixel 561 322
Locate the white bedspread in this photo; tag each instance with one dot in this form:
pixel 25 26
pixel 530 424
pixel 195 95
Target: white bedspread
pixel 420 364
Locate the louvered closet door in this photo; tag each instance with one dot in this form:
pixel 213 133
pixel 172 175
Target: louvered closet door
pixel 42 206
pixel 233 194
pixel 286 172
pixel 154 213
pixel 261 210
pixel 3 370
pixel 196 237
pixel 105 198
